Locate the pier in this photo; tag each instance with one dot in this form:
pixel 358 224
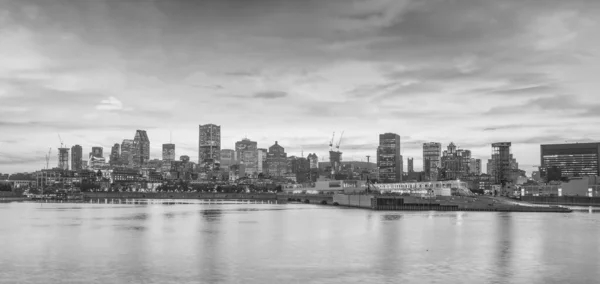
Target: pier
pixel 454 203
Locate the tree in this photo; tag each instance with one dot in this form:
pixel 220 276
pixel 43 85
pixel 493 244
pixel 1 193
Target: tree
pixel 5 187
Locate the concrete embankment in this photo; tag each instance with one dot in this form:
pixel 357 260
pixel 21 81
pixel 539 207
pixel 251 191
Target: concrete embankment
pixel 455 203
pixel 303 198
pixel 563 200
pixel 13 199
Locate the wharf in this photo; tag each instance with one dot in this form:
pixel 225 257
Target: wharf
pixel 454 203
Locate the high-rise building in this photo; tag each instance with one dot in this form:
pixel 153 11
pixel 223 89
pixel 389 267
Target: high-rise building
pixel 456 162
pixel 389 159
pixel 262 160
pixel 63 158
pixel 97 152
pixel 127 153
pixel 168 152
pixel 411 168
pixel 115 154
pixel 209 146
pixel 501 163
pixel 432 152
pixel 580 159
pixel 475 167
pixel 313 159
pixel 141 149
pixel 227 158
pixel 76 158
pixel 277 160
pixel 247 155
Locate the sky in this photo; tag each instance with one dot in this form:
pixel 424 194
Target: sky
pixel 472 72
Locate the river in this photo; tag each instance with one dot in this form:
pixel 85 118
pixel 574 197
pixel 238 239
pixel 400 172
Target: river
pixel 161 242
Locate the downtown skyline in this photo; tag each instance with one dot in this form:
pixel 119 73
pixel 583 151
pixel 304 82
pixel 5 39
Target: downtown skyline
pixel 470 72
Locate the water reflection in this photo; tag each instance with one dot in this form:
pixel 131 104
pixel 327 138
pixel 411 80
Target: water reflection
pixel 193 242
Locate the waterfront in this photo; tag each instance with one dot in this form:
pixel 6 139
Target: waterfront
pixel 162 242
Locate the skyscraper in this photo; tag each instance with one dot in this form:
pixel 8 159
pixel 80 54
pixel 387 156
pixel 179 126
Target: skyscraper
pixel 168 152
pixel 432 152
pixel 247 155
pixel 313 160
pixel 456 162
pixel 276 160
pixel 141 149
pixel 411 168
pixel 115 154
pixel 502 163
pixel 76 158
pixel 262 160
pixel 127 153
pixel 389 159
pixel 63 158
pixel 97 152
pixel 209 145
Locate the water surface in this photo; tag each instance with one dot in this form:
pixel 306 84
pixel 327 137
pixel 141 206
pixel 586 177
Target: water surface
pixel 291 243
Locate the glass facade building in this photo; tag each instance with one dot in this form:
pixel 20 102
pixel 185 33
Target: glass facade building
pixel 579 159
pixel 389 159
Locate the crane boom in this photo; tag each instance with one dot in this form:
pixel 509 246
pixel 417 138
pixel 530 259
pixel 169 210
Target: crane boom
pixel 339 142
pixel 331 142
pixel 60 139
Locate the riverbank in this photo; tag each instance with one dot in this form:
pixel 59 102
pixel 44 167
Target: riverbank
pixel 13 199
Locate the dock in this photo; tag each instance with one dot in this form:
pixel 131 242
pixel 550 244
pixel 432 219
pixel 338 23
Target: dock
pixel 452 203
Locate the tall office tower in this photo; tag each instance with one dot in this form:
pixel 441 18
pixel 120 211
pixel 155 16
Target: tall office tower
pixel 411 168
pixel 141 149
pixel 313 159
pixel 97 152
pixel 432 152
pixel 580 159
pixel 76 158
pixel 475 167
pixel 247 155
pixel 456 162
pixel 276 160
pixel 115 154
pixel 501 158
pixel 209 146
pixel 63 158
pixel 127 153
pixel 262 160
pixel 389 159
pixel 264 155
pixel 168 152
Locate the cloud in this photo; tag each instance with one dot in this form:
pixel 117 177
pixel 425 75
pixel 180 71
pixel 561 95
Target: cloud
pixel 270 95
pixel 111 104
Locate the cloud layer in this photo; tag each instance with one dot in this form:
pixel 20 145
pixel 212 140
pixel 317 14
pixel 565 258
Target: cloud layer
pixel 469 71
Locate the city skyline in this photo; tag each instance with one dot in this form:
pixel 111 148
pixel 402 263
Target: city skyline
pixel 470 72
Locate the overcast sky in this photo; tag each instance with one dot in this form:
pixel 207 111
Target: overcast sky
pixel 468 71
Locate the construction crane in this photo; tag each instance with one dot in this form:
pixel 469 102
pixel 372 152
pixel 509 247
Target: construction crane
pixel 61 141
pixel 337 147
pixel 331 142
